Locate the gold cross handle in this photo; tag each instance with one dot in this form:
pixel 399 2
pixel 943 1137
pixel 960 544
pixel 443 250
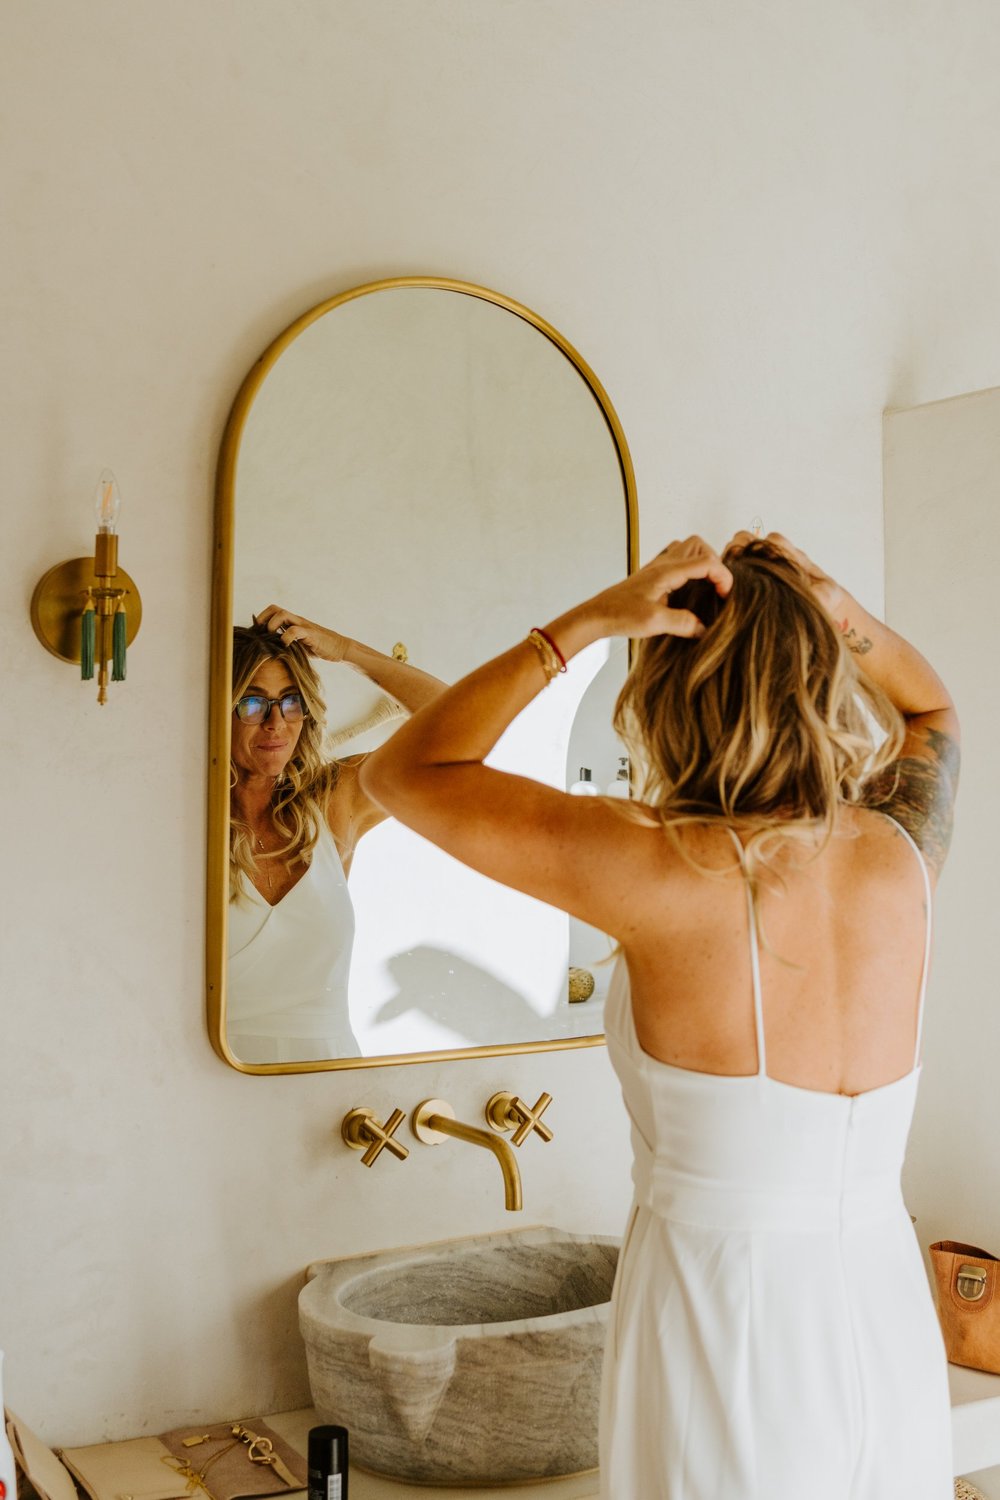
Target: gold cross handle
pixel 508 1112
pixel 362 1132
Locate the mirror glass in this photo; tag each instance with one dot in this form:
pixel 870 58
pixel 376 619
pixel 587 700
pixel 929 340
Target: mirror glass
pixel 430 469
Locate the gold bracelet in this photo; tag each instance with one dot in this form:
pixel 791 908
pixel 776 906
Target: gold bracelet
pixel 551 665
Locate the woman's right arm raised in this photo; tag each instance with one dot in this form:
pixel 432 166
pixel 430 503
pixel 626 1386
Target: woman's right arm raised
pixel 919 788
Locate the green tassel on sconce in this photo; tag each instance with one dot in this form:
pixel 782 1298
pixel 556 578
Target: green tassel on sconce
pixel 88 624
pixel 86 611
pixel 118 644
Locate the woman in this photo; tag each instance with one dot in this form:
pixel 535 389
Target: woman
pixel 772 1330
pixel 295 821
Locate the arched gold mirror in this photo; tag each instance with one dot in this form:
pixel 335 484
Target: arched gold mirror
pixel 426 465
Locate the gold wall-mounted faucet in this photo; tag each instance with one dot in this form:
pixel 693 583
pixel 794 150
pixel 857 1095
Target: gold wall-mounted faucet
pixel 362 1132
pixel 434 1121
pixel 508 1112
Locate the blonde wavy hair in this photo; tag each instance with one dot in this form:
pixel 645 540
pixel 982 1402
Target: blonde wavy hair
pixel 298 802
pixel 764 723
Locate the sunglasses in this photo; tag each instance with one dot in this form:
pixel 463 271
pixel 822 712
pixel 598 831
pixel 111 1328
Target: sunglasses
pixel 256 709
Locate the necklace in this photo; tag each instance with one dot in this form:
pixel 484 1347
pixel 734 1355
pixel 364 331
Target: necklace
pixel 196 1477
pixel 267 868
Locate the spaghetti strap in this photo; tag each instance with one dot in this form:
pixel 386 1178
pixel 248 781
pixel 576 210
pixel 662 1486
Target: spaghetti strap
pixel 928 907
pixel 758 998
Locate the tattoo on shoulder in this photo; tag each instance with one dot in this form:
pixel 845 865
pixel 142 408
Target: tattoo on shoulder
pixel 919 792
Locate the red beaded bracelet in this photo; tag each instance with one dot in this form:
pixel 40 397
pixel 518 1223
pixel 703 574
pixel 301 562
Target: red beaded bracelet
pixel 550 642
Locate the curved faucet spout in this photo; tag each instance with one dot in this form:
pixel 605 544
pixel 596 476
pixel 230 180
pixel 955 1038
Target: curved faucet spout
pixel 429 1121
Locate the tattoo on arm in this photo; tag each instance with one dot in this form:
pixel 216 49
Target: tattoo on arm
pixel 919 792
pixel 859 644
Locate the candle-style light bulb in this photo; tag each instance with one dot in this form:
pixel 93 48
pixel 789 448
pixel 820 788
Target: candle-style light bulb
pixel 107 502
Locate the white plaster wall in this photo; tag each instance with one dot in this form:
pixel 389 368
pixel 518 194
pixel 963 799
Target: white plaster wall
pixel 760 225
pixel 942 536
pixel 942 486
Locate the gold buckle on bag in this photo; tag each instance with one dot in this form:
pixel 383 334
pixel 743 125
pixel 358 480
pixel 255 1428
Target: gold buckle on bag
pixel 971 1283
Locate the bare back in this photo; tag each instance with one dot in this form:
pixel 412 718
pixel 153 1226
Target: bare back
pixel 841 959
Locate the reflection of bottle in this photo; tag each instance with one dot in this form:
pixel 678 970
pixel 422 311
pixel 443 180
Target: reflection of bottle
pixel 585 786
pixel 620 786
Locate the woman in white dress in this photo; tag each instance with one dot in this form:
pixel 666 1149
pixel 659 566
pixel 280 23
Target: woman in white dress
pixel 295 821
pixel 772 1330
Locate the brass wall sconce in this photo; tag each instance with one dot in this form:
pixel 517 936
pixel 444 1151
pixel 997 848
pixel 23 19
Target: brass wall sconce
pixel 88 610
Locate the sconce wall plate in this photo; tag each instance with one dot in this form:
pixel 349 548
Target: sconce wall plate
pixel 57 604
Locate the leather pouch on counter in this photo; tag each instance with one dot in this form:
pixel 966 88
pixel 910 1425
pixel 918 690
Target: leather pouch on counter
pixel 132 1470
pixel 227 1461
pixel 968 1299
pixel 236 1459
pixel 48 1478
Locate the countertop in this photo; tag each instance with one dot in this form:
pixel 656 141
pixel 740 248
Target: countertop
pixel 975 1402
pixel 975 1419
pixel 294 1427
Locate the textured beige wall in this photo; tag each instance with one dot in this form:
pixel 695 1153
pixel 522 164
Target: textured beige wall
pixel 760 225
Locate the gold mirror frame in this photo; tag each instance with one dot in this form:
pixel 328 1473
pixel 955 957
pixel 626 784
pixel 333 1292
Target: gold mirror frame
pixel 220 708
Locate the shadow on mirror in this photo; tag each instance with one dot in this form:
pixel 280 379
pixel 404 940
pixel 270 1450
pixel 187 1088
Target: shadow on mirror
pixel 412 476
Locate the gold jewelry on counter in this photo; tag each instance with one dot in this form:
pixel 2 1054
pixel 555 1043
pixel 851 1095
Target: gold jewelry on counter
pixel 260 1450
pixel 196 1477
pixel 546 654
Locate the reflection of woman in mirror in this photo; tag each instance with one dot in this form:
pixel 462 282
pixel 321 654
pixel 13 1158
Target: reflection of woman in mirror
pixel 295 820
pixel 770 894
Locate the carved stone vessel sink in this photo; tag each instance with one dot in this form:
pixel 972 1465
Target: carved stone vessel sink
pixel 471 1362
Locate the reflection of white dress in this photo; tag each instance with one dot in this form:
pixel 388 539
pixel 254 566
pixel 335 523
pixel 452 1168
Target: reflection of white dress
pixel 289 965
pixel 772 1332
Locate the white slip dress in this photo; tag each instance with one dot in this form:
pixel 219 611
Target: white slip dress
pixel 772 1334
pixel 289 965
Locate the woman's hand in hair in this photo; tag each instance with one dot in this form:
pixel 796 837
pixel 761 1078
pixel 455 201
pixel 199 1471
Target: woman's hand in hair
pixel 328 645
pixel 828 592
pixel 407 684
pixel 639 606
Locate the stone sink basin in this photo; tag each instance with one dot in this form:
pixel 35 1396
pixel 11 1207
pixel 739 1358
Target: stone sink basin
pixel 475 1361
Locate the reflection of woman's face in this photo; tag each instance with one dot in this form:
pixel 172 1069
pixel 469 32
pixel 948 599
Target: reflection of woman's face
pixel 265 749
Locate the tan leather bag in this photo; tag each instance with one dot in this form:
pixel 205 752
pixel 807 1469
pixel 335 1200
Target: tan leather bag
pixel 968 1300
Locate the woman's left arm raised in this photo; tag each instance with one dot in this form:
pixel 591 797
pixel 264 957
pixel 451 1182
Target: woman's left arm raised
pixel 408 685
pixel 562 849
